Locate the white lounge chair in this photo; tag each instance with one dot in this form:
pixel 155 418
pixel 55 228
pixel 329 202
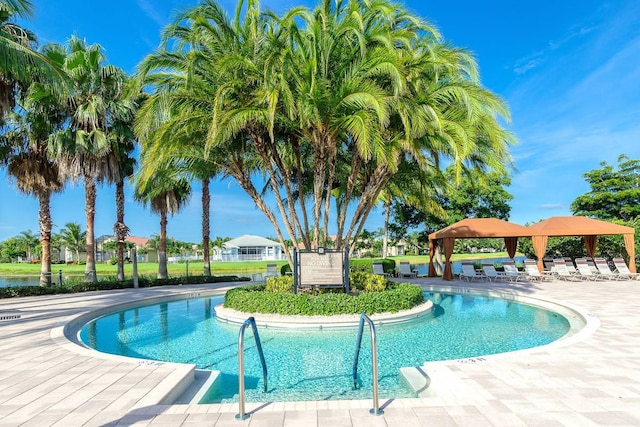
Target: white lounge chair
pixel 511 271
pixel 272 271
pixel 570 265
pixel 378 269
pixel 532 272
pixel 592 265
pixel 469 272
pixel 604 271
pixel 563 272
pixel 492 274
pixel 623 269
pixel 404 270
pixel 584 271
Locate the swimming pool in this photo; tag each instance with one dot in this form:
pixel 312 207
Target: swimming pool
pixel 316 365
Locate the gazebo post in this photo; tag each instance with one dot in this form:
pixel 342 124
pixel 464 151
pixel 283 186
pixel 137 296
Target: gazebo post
pixel 432 253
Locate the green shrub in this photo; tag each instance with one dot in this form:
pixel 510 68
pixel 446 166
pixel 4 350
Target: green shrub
pixel 113 260
pixel 285 269
pixel 375 283
pixel 255 299
pixel 280 284
pixel 367 282
pixel 361 264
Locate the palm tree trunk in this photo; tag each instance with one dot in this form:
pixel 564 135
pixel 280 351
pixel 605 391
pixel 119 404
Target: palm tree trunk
pixel 120 229
pixel 90 210
pixel 44 216
pixel 162 247
pixel 206 199
pixel 385 238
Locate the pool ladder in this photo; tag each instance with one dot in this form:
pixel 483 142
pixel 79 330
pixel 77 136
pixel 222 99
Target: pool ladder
pixel 374 361
pixel 242 415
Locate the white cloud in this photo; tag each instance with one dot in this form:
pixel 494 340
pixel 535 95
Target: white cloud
pixel 151 12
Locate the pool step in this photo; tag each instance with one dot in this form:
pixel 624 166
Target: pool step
pixel 202 381
pixel 436 380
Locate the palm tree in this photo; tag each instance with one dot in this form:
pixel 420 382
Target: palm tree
pixel 124 167
pixel 84 149
pixel 166 194
pixel 35 174
pixel 73 238
pixel 21 64
pixel 29 241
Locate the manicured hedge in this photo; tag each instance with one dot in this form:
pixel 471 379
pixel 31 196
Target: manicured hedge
pixel 255 299
pixel 105 285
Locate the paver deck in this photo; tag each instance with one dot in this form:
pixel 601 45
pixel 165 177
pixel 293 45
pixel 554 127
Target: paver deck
pixel 594 380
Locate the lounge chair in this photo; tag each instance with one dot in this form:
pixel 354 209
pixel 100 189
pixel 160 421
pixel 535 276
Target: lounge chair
pixel 492 274
pixel 623 269
pixel 511 271
pixel 548 265
pixel 378 269
pixel 570 265
pixel 563 272
pixel 469 273
pixel 592 265
pixel 404 270
pixel 584 271
pixel 532 272
pixel 272 271
pixel 605 272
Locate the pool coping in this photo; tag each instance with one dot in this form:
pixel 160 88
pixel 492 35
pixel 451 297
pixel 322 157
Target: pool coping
pixel 319 322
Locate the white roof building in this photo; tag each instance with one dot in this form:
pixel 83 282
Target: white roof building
pixel 251 248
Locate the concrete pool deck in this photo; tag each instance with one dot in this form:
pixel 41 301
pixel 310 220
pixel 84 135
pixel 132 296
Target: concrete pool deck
pixel 45 380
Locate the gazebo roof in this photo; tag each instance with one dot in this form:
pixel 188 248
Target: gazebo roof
pixel 576 226
pixel 481 228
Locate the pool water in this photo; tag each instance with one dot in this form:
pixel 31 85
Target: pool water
pixel 317 364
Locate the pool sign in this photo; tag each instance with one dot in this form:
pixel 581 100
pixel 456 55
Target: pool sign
pixel 320 269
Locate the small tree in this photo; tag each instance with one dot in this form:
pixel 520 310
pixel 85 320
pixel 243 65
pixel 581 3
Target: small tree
pixel 73 238
pixel 615 192
pixel 166 194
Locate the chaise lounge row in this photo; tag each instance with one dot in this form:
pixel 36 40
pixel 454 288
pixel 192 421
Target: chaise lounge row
pixel 560 268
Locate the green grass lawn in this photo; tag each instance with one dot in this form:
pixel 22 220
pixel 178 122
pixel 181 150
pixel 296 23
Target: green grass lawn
pixel 196 267
pixel 144 268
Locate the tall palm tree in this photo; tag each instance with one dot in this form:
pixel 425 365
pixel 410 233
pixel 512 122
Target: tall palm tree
pixel 124 164
pixel 84 149
pixel 73 238
pixel 166 194
pixel 35 174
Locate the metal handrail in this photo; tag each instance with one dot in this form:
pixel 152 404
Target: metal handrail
pixel 374 362
pixel 249 322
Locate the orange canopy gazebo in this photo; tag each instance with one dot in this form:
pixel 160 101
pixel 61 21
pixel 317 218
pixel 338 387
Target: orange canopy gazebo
pixel 572 226
pixel 474 228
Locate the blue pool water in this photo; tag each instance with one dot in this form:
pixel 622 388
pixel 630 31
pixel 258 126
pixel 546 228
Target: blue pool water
pixel 317 364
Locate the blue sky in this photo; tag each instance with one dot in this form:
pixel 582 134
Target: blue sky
pixel 569 70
